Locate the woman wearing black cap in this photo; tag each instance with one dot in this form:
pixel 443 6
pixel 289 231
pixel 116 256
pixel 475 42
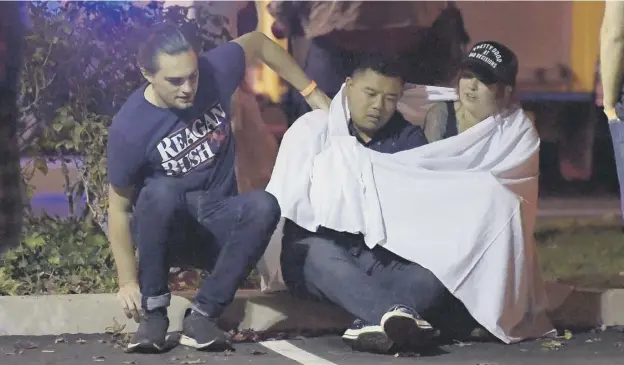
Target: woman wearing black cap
pixel 485 88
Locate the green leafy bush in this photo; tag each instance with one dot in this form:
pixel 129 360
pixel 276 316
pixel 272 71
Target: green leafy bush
pixel 58 256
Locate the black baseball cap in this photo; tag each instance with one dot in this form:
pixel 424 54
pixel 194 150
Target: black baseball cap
pixel 492 62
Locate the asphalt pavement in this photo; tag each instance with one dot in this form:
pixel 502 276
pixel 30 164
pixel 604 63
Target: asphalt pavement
pixel 600 348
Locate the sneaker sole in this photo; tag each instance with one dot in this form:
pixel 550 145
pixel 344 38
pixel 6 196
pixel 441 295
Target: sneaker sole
pixel 375 342
pixel 405 331
pixel 145 347
pixel 212 345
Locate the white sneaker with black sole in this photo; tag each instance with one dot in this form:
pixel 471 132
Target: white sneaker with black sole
pixel 405 327
pixel 366 337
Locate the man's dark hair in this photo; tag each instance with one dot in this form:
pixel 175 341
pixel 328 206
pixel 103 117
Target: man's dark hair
pixel 390 66
pixel 164 38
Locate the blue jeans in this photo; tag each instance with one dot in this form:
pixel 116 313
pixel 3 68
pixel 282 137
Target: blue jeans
pixel 227 235
pixel 617 135
pixel 338 267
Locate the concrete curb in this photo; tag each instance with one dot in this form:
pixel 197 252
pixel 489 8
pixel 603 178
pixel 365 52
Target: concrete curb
pixel 94 313
pixel 585 307
pixel 275 312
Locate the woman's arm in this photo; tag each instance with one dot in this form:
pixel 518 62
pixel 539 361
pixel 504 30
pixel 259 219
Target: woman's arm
pixel 435 122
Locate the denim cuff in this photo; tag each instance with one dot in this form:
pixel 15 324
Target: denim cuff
pixel 204 312
pixel 151 303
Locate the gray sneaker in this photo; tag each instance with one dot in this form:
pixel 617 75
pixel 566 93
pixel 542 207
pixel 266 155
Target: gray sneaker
pixel 202 333
pixel 151 335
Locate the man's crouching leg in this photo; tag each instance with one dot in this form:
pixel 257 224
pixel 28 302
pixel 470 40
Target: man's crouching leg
pixel 152 221
pixel 242 227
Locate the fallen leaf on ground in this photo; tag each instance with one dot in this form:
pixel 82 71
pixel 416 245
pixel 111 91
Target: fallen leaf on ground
pixel 80 341
pixel 462 344
pixel 115 328
pixel 552 345
pixel 98 358
pixel 129 363
pixel 26 345
pixel 60 340
pixel 191 362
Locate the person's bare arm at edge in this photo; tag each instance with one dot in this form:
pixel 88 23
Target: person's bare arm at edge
pixel 119 210
pixel 258 47
pixel 612 55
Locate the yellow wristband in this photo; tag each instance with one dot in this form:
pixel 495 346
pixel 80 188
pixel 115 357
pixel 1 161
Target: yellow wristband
pixel 308 90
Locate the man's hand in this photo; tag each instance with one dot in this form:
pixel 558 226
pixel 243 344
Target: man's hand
pixel 129 297
pixel 318 100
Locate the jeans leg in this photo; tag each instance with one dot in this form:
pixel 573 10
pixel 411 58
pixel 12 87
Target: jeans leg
pixel 617 135
pixel 412 285
pixel 319 265
pixel 153 219
pixel 242 227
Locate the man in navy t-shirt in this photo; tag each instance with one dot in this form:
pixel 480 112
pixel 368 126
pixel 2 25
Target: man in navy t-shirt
pixel 172 183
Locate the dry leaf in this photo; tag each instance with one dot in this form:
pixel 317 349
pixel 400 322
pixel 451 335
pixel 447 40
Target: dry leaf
pixel 27 345
pixel 462 344
pixel 552 345
pixel 60 340
pixel 115 328
pixel 81 341
pixel 191 362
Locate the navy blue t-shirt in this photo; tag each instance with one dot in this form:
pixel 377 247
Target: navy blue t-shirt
pixel 195 146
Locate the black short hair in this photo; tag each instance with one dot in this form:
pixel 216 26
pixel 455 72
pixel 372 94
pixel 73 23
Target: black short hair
pixel 165 38
pixel 390 66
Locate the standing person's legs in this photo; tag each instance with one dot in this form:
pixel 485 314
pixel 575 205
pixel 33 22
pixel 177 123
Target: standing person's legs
pixel 240 228
pixel 329 266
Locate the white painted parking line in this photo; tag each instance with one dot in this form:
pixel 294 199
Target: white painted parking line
pixel 293 352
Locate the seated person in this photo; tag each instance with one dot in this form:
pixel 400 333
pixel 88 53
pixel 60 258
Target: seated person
pixel 483 91
pixel 385 292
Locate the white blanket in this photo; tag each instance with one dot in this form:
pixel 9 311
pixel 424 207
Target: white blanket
pixel 463 207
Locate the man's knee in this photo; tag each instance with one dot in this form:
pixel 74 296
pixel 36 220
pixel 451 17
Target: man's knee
pixel 263 206
pixel 159 196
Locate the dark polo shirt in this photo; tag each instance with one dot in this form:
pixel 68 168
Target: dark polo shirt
pixel 396 136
